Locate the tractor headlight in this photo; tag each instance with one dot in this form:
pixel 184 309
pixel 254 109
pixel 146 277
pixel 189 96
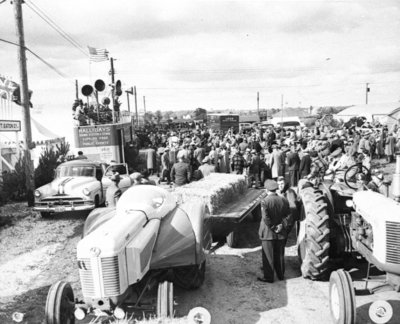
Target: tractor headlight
pixel 79 314
pixel 86 191
pixel 349 203
pixel 37 193
pixel 119 313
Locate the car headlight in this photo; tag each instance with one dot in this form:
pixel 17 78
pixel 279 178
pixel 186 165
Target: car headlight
pixel 349 203
pixel 86 191
pixel 37 193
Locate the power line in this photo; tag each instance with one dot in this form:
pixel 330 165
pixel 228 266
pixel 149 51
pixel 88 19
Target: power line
pixel 63 75
pixel 53 25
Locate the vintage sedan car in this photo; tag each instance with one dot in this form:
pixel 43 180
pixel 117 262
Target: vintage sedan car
pixel 78 185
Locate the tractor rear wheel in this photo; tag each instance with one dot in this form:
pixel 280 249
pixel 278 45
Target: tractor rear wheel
pixel 342 300
pixel 314 249
pixel 165 300
pixel 60 304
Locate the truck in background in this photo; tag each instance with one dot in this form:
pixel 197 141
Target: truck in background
pixel 223 122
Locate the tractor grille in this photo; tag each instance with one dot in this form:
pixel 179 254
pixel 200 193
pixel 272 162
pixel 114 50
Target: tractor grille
pixel 393 242
pixel 110 271
pixel 85 273
pixel 110 275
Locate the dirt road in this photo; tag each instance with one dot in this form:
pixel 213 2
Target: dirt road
pixel 36 252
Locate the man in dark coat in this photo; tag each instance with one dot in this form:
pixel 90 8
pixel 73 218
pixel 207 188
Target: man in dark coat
pixel 293 162
pixel 275 220
pixel 305 164
pixel 180 172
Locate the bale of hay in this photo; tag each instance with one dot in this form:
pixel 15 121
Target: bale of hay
pixel 215 190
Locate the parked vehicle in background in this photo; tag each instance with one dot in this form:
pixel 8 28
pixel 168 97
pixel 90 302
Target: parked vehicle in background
pixel 287 122
pixel 245 126
pixel 78 185
pixel 223 122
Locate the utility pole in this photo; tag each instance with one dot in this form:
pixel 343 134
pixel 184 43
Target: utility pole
pixel 128 92
pixel 366 93
pixel 136 112
pixel 26 119
pixel 258 104
pixel 282 109
pixel 112 72
pixel 144 104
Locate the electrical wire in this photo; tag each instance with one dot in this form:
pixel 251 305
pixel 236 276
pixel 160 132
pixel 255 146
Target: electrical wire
pixel 40 12
pixel 63 75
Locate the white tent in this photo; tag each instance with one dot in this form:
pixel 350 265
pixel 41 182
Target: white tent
pixel 386 113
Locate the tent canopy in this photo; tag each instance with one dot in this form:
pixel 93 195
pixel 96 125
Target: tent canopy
pixel 371 110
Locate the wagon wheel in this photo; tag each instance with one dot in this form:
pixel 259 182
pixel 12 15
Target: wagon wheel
pixel 165 300
pixel 350 174
pixel 231 239
pixel 342 301
pixel 60 304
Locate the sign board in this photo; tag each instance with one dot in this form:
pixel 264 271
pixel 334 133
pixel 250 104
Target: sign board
pixel 100 135
pixel 10 126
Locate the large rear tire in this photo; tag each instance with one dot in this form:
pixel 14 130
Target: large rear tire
pixel 165 300
pixel 60 304
pixel 190 277
pixel 342 300
pixel 315 246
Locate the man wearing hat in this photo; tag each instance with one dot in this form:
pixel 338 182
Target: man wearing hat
pixel 206 167
pixel 377 183
pixel 180 172
pixel 113 193
pixel 305 164
pixel 293 162
pixel 275 220
pixel 165 166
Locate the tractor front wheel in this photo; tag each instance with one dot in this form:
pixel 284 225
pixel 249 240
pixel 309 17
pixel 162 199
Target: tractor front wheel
pixel 60 305
pixel 165 300
pixel 342 300
pixel 191 277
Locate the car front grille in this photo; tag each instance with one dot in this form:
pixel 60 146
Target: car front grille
pixel 110 276
pixel 62 201
pixel 393 242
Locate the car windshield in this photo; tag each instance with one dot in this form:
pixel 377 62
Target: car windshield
pixel 120 168
pixel 75 171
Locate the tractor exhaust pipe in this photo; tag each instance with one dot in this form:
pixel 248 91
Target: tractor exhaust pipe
pixel 396 180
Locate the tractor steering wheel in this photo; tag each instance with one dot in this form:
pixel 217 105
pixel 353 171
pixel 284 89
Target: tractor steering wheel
pixel 350 174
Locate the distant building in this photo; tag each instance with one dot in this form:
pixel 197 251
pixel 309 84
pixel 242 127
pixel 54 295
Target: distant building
pixel 386 113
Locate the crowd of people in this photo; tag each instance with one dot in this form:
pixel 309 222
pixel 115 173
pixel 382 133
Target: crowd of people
pixel 179 157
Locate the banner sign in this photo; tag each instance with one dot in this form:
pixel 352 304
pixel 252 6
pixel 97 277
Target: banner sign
pixel 10 126
pixel 87 136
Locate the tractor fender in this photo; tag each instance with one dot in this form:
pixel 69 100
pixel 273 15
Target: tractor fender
pixel 196 212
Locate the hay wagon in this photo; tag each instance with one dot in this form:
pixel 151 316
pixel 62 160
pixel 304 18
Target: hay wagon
pixel 229 202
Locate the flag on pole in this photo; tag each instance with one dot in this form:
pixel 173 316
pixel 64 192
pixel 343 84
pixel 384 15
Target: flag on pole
pixel 97 54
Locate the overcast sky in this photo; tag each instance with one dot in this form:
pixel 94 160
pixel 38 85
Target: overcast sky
pixel 213 54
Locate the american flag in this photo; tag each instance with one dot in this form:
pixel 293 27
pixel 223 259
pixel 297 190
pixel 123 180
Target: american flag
pixel 97 54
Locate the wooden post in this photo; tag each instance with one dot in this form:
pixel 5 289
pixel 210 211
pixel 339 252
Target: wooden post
pixel 136 111
pixel 26 119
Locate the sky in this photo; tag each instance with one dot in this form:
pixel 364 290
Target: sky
pixel 211 54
